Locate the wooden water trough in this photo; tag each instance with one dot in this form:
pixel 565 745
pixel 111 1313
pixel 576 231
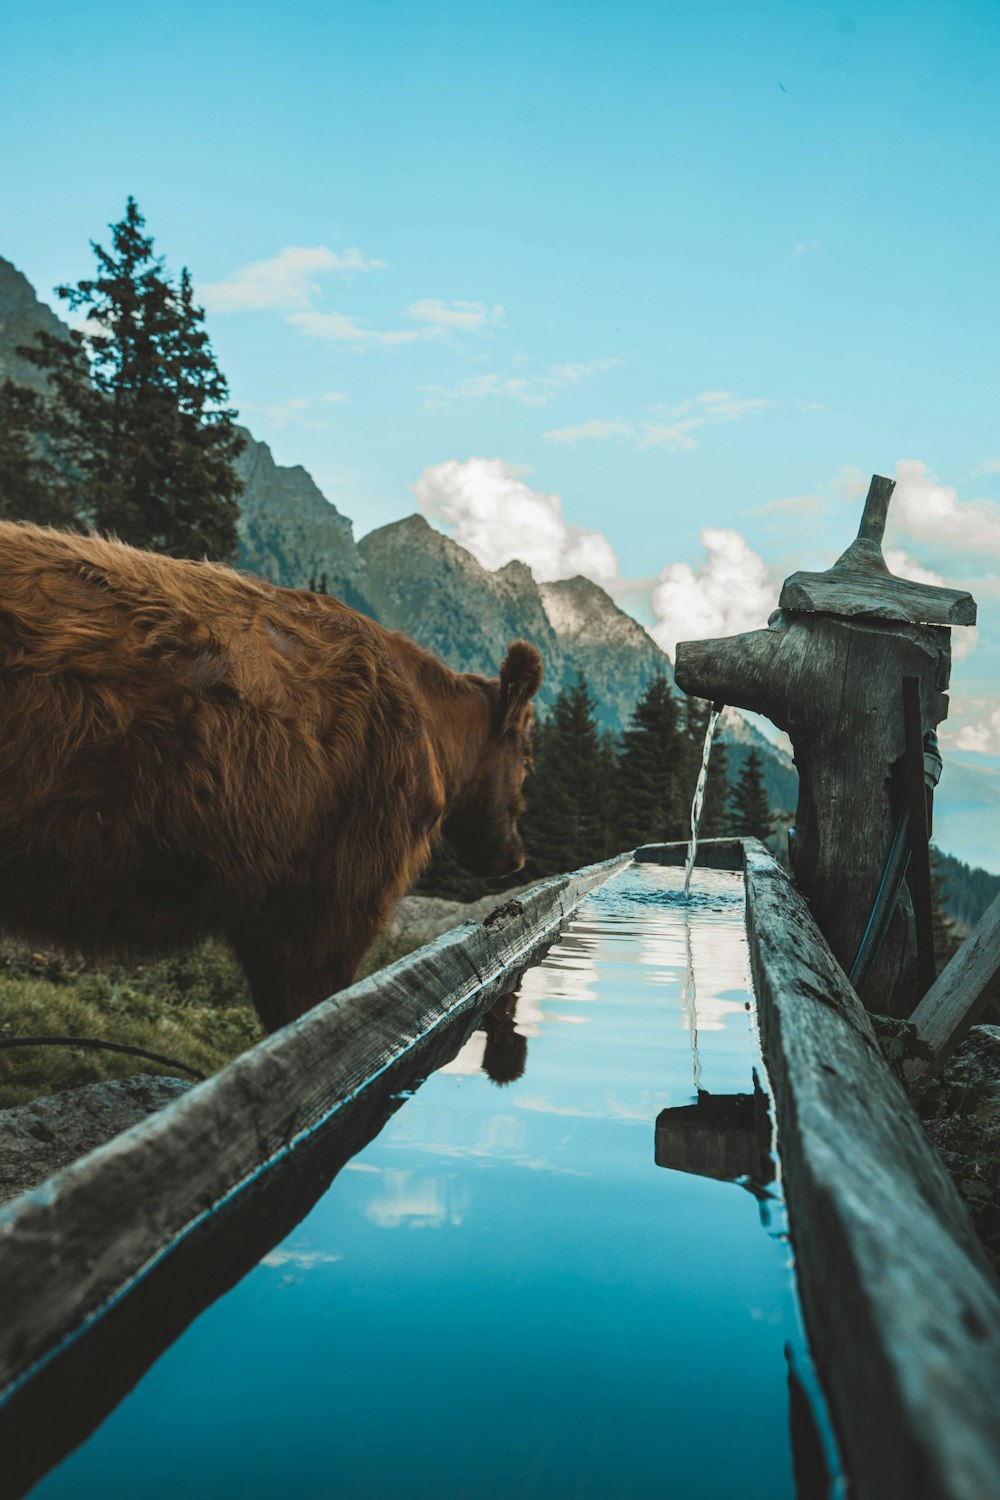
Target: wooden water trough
pixel 104 1265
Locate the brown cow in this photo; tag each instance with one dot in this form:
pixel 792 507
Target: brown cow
pixel 185 751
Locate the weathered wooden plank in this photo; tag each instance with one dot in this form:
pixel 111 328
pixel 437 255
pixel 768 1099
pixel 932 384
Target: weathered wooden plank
pixel 876 596
pixel 902 1310
pixel 956 998
pixel 69 1247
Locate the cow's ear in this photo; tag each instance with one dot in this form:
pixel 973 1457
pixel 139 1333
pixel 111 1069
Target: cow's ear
pixel 520 679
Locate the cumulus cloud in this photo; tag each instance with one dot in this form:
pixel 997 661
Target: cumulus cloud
pixel 498 517
pixel 730 592
pixel 928 511
pixel 283 283
pixel 982 735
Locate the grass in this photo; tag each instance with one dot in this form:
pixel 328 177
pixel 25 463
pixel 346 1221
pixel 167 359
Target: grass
pixel 192 1006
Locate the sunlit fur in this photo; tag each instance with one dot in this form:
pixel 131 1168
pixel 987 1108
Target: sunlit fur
pixel 186 751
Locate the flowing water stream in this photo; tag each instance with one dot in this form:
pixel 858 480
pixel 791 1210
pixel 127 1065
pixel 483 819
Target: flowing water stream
pixel 698 801
pixel 536 1281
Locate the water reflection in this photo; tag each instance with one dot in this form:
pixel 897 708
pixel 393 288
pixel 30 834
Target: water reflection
pixel 723 1136
pixel 634 1320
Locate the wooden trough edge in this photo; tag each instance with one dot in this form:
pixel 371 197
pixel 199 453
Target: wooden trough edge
pixel 72 1247
pixel 902 1310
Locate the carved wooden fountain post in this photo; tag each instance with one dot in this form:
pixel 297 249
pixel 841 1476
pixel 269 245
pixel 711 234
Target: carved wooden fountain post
pixel 829 669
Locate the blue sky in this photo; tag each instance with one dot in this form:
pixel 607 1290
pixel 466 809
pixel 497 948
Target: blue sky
pixel 683 268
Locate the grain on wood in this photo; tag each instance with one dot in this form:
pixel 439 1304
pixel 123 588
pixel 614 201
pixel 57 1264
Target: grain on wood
pixel 955 1000
pixel 902 1310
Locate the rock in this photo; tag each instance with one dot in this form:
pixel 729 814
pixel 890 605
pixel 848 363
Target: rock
pixel 40 1138
pixel 22 315
pixel 960 1109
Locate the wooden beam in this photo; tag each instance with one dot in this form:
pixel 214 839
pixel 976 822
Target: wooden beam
pixel 956 998
pixel 69 1248
pixel 902 1310
pixel 918 871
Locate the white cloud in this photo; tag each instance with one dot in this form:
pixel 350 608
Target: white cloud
pixel 794 505
pixel 928 511
pixel 464 317
pixel 575 371
pixel 597 428
pixel 988 466
pixel 983 735
pixel 526 389
pixel 850 483
pixel 335 328
pixel 806 247
pixel 297 411
pixel 285 282
pixel 673 436
pixel 498 517
pixel 732 591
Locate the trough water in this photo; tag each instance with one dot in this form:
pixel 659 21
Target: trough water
pixel 504 1295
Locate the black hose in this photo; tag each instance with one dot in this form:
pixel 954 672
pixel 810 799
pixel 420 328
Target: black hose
pixel 94 1042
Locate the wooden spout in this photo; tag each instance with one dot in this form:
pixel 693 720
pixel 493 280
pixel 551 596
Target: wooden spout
pixel 737 669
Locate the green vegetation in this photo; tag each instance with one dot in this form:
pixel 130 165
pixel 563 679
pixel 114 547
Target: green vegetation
pixel 192 1006
pixel 133 434
pixel 752 816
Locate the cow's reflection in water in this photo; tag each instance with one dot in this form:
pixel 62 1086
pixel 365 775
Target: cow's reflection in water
pixel 506 1052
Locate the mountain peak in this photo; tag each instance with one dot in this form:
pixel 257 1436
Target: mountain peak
pixel 22 316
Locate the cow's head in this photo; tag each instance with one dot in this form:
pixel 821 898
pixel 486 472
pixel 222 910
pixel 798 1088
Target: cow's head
pixel 483 826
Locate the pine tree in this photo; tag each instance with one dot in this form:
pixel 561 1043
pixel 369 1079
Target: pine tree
pixel 715 820
pixel 136 418
pixel 946 939
pixel 31 487
pixel 565 822
pixel 651 772
pixel 751 812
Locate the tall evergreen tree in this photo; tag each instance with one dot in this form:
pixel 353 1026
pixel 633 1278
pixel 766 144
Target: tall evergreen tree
pixel 651 773
pixel 136 416
pixel 565 822
pixel 946 939
pixel 715 813
pixel 31 486
pixel 751 815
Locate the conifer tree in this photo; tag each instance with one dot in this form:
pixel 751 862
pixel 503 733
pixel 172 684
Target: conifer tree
pixel 31 487
pixel 751 815
pixel 651 772
pixel 136 417
pixel 565 822
pixel 715 821
pixel 946 940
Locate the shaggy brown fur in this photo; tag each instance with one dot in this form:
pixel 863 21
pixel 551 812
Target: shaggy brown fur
pixel 186 751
